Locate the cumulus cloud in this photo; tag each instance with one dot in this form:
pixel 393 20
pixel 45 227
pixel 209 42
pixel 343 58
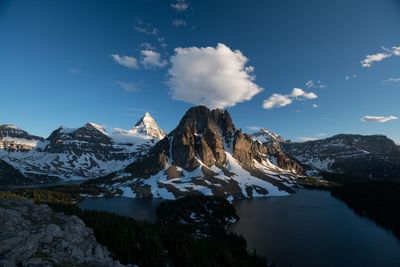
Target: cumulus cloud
pixel 178 23
pixel 315 106
pixel 300 93
pixel 216 77
pixel 128 87
pixel 276 101
pixel 126 61
pixel 378 118
pixel 297 92
pixel 387 53
pixel 180 5
pixel 152 59
pixel 310 95
pixel 279 100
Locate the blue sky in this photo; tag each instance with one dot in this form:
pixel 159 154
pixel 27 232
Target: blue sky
pixel 57 68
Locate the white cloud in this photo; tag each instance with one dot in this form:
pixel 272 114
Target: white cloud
pixel 370 59
pixel 152 59
pixel 315 106
pixel 297 92
pixel 276 101
pixel 126 61
pixel 213 76
pixel 396 50
pixel 128 87
pixel 315 84
pixel 310 95
pixel 179 23
pixel 387 53
pixel 279 100
pixel 180 5
pixel 378 118
pixel 392 81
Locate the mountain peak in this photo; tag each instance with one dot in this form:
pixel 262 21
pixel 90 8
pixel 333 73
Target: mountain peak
pixel 10 126
pixel 148 126
pixel 266 136
pixel 98 127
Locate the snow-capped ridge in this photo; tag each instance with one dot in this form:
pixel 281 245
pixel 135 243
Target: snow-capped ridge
pixel 88 151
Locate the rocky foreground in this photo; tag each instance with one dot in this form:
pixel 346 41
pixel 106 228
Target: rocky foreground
pixel 34 235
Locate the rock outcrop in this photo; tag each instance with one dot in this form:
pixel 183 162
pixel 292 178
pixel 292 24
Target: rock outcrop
pixel 34 235
pixel 276 155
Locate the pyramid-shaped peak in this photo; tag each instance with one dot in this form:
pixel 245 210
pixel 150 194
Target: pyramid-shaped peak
pixel 148 126
pixel 146 119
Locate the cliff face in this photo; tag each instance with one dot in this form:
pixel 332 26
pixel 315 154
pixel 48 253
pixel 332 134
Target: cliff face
pixel 34 235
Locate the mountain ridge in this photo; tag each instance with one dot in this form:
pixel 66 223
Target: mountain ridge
pixel 86 152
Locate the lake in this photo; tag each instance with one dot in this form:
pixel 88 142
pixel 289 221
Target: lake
pixel 309 228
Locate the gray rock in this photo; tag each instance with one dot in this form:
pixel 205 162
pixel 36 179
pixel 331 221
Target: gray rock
pixel 35 236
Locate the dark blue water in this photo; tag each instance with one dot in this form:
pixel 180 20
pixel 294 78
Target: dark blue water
pixel 310 228
pixel 140 209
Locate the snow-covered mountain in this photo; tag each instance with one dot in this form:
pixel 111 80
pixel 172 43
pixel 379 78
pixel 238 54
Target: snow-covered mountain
pixel 89 151
pixel 353 157
pixel 13 138
pixel 205 154
pixel 147 126
pixel 268 137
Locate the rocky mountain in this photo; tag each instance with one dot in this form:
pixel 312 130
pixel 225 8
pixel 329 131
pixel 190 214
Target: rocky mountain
pixel 276 154
pixel 34 235
pixel 206 154
pixel 349 157
pixel 147 126
pixel 89 151
pixel 13 138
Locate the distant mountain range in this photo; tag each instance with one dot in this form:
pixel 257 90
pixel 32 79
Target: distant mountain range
pixel 204 154
pixel 347 158
pixel 86 152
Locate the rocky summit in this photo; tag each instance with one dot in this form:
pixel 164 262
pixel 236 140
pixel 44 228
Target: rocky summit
pixel 206 154
pixel 34 235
